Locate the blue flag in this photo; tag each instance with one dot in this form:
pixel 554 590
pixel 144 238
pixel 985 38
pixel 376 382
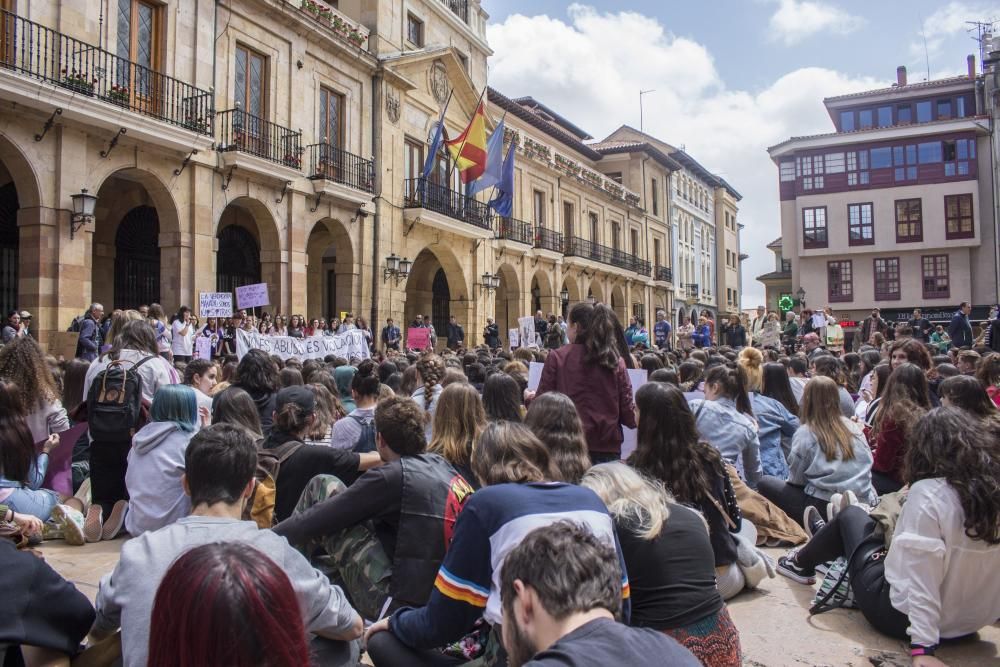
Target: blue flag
pixel 494 163
pixel 436 142
pixel 503 201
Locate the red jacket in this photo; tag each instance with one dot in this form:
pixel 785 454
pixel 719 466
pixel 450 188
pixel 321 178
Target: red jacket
pixel 602 397
pixel 890 448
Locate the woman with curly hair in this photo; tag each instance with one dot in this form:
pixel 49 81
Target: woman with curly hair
pixel 988 375
pixel 936 579
pixel 430 373
pixel 22 361
pixel 554 420
pixel 906 398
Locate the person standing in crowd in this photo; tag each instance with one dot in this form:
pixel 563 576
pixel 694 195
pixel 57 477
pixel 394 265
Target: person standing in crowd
pixel 366 331
pixel 790 332
pixel 685 335
pixel 871 325
pixel 921 326
pixel 541 328
pixel 219 465
pixel 725 419
pixel 182 336
pixel 390 336
pixel 710 321
pixel 736 335
pixel 811 345
pixel 934 579
pixel 992 339
pixel 12 328
pixel 631 330
pixel 554 336
pixel 669 560
pixel 960 330
pixel 592 373
pixel 757 325
pixel 640 337
pixel 661 331
pixel 158 318
pixel 570 619
pixel 296 327
pixel 703 334
pixel 89 344
pixel 456 334
pixel 491 334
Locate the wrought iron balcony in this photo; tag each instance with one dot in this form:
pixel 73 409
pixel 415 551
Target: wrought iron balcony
pixel 330 163
pixel 641 266
pixel 515 230
pixel 665 274
pixel 579 247
pixel 690 290
pixel 549 239
pixel 246 133
pixel 459 8
pixel 440 199
pixel 38 52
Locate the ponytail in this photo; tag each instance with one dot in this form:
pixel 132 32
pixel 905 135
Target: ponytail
pixel 732 383
pixel 595 330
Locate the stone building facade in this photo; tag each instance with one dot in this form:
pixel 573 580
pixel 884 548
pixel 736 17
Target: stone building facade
pixel 282 141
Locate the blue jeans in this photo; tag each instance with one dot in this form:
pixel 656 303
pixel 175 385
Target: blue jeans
pixel 35 502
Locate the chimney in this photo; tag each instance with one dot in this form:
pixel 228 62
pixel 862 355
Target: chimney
pixel 901 75
pixel 971 62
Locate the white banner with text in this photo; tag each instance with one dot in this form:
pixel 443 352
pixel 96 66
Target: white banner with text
pixel 349 345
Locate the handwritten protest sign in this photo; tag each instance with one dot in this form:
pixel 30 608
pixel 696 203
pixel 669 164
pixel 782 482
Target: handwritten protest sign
pixel 514 337
pixel 251 296
pixel 203 347
pixel 418 338
pixel 349 345
pixel 526 327
pixel 215 304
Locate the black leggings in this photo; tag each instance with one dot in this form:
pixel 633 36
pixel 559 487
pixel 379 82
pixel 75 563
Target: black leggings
pixel 792 499
pixel 851 534
pixel 386 650
pixel 108 464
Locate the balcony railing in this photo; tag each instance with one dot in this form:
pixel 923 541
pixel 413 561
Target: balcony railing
pixel 548 239
pixel 440 199
pixel 641 266
pixel 664 273
pixel 578 247
pixel 459 8
pixel 41 53
pixel 691 290
pixel 330 163
pixel 515 230
pixel 246 133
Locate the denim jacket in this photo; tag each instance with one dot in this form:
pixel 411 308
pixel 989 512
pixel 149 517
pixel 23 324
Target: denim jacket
pixel 775 422
pixel 734 434
pixel 36 475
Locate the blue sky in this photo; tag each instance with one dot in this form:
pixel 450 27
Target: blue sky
pixel 732 76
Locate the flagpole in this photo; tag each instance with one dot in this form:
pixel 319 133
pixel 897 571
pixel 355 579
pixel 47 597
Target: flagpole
pixel 461 148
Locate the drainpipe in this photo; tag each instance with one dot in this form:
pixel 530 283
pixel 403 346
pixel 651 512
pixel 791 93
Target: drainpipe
pixel 376 217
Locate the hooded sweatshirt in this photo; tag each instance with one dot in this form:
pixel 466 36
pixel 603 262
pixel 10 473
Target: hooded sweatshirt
pixel 153 479
pixel 344 375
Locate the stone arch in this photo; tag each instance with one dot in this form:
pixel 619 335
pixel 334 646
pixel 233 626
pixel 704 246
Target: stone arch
pixel 257 221
pixel 571 286
pixel 507 300
pixel 596 291
pixel 136 214
pixel 17 168
pixel 27 256
pixel 618 304
pixel 543 298
pixel 432 265
pixel 333 274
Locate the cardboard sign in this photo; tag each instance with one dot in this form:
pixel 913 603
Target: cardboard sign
pixel 63 343
pixel 526 329
pixel 349 345
pixel 534 374
pixel 215 304
pixel 514 336
pixel 418 338
pixel 203 347
pixel 251 296
pixel 59 475
pixel 638 377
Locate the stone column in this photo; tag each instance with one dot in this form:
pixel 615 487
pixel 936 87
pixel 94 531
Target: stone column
pixel 38 269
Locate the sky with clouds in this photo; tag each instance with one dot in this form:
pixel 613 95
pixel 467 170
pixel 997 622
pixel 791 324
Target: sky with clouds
pixel 731 77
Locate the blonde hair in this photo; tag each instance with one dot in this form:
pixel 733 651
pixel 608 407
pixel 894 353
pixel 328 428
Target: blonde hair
pixel 752 361
pixel 459 420
pixel 821 413
pixel 630 496
pixel 118 320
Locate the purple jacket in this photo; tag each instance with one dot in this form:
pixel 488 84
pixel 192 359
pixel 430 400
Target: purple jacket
pixel 602 397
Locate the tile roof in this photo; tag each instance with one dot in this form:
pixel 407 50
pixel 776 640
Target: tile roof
pixel 532 104
pixel 922 85
pixel 539 123
pixel 618 147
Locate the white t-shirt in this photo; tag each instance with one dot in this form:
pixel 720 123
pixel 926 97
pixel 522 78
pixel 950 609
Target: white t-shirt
pixel 182 345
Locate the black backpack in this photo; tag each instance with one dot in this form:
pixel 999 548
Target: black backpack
pixel 114 402
pixel 77 323
pixel 366 440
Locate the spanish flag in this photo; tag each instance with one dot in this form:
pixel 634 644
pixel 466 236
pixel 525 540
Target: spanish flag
pixel 469 148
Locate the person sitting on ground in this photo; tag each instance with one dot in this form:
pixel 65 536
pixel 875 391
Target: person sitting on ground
pixel 989 376
pixel 905 399
pixel 936 581
pixel 775 422
pixel 227 604
pixel 725 419
pixel 202 375
pixel 258 376
pixel 829 456
pixel 554 420
pixel 234 406
pixel 462 419
pixel 344 377
pixel 294 421
pixel 23 362
pixel 826 365
pixel 968 394
pixel 156 460
pixel 560 607
pixel 364 393
pixel 668 556
pixel 429 371
pixel 515 470
pixel 219 466
pixel 411 503
pixel 502 398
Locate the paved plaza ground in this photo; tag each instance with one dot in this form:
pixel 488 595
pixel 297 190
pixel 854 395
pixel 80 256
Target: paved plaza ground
pixel 775 627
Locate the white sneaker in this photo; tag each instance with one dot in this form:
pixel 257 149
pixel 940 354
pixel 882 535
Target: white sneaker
pixel 70 521
pixel 834 506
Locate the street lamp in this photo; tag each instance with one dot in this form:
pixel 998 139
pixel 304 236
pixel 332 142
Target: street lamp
pixel 564 295
pixel 489 283
pixel 396 268
pixel 84 204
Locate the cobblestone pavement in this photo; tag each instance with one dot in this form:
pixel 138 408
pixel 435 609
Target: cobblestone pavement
pixel 774 623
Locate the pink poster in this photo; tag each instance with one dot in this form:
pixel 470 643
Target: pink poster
pixel 418 338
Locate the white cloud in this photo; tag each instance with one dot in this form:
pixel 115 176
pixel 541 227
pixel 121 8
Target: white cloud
pixel 794 20
pixel 940 28
pixel 591 68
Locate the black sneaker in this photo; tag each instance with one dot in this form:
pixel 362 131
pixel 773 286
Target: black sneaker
pixel 791 569
pixel 812 521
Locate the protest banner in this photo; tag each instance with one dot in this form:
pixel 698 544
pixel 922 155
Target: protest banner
pixel 514 337
pixel 215 304
pixel 251 296
pixel 349 345
pixel 203 347
pixel 526 329
pixel 418 338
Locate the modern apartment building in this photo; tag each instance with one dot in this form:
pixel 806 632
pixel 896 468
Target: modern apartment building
pixel 895 207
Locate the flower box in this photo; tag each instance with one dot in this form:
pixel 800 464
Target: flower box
pixel 77 82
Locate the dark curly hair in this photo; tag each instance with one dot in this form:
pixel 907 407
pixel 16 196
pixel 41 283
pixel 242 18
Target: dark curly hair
pixel 257 373
pixel 950 443
pixel 23 361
